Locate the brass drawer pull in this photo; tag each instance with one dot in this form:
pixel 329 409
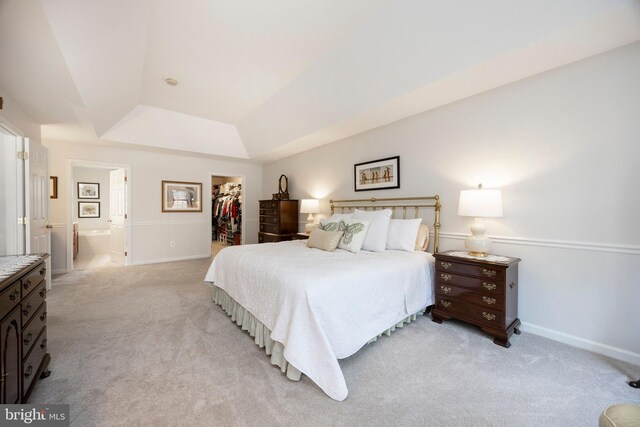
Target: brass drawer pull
pixel 445 289
pixel 445 303
pixel 488 273
pixel 488 316
pixel 489 300
pixel 29 371
pixel 489 286
pixel 27 339
pixel 445 265
pixel 13 295
pixel 445 277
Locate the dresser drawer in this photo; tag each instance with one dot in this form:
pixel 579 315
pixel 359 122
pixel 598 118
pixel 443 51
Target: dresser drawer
pixel 492 301
pixel 461 309
pixel 268 204
pixel 269 228
pixel 272 238
pixel 32 280
pixel 269 220
pixel 31 304
pixel 484 272
pixel 33 361
pixel 486 286
pixel 10 297
pixel 32 330
pixel 269 212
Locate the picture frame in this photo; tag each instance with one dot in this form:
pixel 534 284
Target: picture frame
pixel 88 209
pixel 181 196
pixel 88 190
pixel 53 187
pixel 381 174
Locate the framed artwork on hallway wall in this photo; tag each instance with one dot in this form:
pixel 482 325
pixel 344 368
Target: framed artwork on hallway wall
pixel 88 209
pixel 179 196
pixel 382 174
pixel 53 187
pixel 88 190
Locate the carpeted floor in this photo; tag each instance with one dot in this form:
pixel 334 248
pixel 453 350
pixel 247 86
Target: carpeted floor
pixel 144 345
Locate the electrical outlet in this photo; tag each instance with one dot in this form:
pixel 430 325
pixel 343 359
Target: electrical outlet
pixel 172 244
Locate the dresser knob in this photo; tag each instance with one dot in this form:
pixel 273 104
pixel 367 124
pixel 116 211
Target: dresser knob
pixel 445 289
pixel 488 316
pixel 445 303
pixel 26 284
pixel 488 273
pixel 43 271
pixel 445 265
pixel 43 292
pixel 27 339
pixel 26 310
pixel 445 277
pixel 489 286
pixel 43 316
pixel 489 300
pixel 28 372
pixel 14 294
pixel 43 344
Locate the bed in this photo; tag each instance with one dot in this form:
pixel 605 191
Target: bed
pixel 309 308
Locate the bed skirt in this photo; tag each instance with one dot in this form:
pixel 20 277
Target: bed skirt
pixel 262 334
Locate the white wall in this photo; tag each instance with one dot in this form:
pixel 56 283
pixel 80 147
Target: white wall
pixel 152 230
pixel 17 120
pixel 94 175
pixel 564 148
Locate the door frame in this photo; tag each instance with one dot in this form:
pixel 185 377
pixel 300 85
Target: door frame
pixel 71 163
pixel 244 201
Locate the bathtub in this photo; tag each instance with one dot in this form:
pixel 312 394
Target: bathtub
pixel 94 242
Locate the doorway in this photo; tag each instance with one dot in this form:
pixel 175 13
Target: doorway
pixel 226 212
pixel 99 215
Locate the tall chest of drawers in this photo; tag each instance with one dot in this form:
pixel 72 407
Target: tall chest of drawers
pixel 23 328
pixel 478 291
pixel 278 220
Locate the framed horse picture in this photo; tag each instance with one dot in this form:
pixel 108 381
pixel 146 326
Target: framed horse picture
pixel 379 174
pixel 179 196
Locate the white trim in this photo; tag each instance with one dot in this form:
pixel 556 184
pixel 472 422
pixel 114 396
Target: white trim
pixel 185 222
pixel 59 271
pixel 245 198
pixel 172 259
pixel 596 347
pixel 562 244
pixel 59 225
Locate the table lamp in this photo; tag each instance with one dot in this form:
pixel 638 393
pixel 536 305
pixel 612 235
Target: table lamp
pixel 310 206
pixel 479 204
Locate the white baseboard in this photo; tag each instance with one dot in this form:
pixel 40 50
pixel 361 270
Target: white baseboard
pixel 596 347
pixel 59 271
pixel 173 259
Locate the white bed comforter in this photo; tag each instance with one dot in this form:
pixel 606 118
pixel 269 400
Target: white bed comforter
pixel 324 306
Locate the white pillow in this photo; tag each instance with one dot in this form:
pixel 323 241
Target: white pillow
pixel 376 240
pixel 403 233
pixel 337 217
pixel 355 232
pixel 422 241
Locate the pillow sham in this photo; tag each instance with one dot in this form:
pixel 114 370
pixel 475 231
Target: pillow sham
pixel 376 240
pixel 422 241
pixel 355 232
pixel 325 240
pixel 339 216
pixel 403 234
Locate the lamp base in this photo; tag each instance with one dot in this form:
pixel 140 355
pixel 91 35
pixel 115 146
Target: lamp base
pixel 478 254
pixel 478 244
pixel 308 227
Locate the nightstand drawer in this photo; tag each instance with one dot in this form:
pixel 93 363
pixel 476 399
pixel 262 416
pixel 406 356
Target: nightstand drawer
pixel 485 272
pixel 495 302
pixel 486 286
pixel 462 309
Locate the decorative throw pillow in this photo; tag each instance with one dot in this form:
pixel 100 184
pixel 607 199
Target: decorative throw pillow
pixel 376 240
pixel 403 234
pixel 355 232
pixel 422 241
pixel 325 240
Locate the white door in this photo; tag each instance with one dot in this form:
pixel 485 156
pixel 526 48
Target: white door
pixel 38 229
pixel 118 215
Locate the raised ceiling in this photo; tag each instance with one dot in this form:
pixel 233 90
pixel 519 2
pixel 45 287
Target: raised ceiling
pixel 261 79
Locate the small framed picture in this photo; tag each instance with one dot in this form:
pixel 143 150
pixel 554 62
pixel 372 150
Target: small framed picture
pixel 179 196
pixel 380 174
pixel 88 190
pixel 53 187
pixel 88 209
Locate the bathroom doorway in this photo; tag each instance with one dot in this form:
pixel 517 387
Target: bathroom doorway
pixel 99 215
pixel 226 212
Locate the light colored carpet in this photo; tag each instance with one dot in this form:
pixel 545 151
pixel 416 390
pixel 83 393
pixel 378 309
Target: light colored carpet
pixel 144 345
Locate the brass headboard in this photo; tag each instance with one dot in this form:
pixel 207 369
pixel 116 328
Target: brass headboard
pixel 404 203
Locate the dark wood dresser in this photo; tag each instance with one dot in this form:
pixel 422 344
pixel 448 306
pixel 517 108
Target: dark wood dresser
pixel 23 326
pixel 278 220
pixel 478 291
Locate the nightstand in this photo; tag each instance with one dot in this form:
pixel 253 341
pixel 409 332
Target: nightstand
pixel 479 291
pixel 299 236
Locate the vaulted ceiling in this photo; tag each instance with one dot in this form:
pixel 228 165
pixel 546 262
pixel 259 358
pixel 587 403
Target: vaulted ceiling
pixel 262 79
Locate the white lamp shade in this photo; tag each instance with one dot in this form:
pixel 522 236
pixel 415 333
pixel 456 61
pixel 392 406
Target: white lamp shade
pixel 310 206
pixel 480 203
